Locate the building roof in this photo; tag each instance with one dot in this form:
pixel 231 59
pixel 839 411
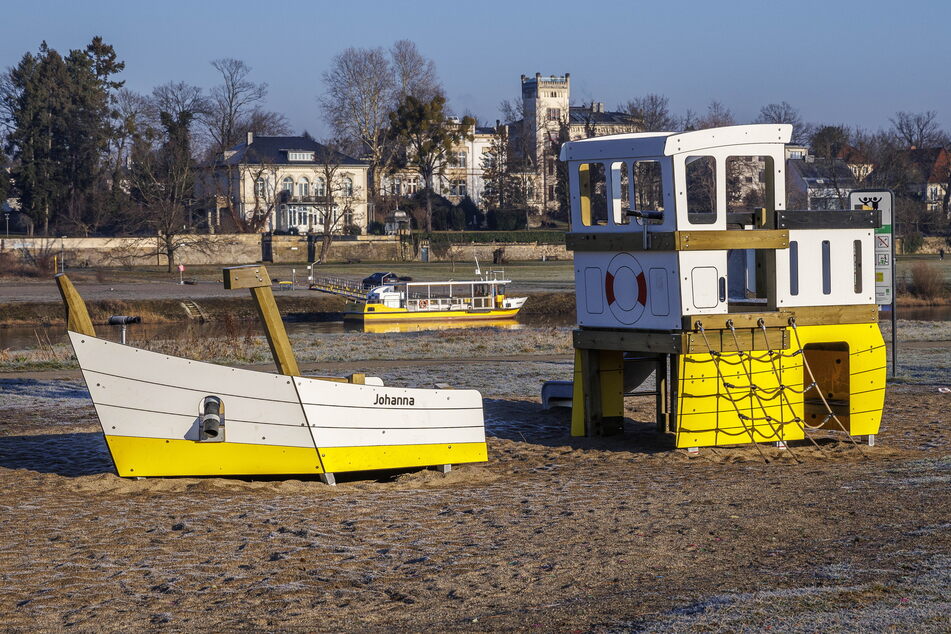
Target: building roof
pixel 820 173
pixel 273 150
pixel 668 143
pixel 586 115
pixel 931 163
pixel 485 130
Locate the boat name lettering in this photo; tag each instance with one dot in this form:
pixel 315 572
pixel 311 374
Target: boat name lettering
pixel 386 399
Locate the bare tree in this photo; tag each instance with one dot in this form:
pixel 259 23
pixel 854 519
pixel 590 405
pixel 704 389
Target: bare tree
pixel 652 112
pixel 336 201
pixel 358 98
pixel 162 183
pixel 784 113
pixel 234 98
pixel 919 129
pixel 718 115
pixel 415 75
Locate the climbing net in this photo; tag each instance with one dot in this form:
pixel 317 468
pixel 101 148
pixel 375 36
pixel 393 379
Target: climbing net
pixel 759 421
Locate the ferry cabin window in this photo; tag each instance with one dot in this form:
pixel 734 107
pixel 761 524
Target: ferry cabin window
pixel 748 181
pixel 593 194
pixel 701 190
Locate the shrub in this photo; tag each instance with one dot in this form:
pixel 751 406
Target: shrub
pixel 507 219
pixel 927 281
pixel 912 242
pixel 506 237
pixel 376 228
pixel 353 230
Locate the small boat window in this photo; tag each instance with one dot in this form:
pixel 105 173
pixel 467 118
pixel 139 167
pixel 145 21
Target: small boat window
pixel 648 187
pixel 620 193
pixel 593 194
pixel 747 178
pixel 701 190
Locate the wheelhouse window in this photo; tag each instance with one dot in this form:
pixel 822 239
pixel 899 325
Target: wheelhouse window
pixel 701 190
pixel 593 194
pixel 747 179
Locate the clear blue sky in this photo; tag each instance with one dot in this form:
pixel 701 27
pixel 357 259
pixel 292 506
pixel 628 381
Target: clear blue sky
pixel 837 61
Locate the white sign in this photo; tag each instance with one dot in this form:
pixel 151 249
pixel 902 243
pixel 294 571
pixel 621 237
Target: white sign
pixel 884 201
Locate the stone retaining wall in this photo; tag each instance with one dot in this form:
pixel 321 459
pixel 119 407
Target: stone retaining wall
pixel 247 249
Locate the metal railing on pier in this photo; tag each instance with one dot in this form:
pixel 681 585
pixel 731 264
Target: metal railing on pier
pixel 340 286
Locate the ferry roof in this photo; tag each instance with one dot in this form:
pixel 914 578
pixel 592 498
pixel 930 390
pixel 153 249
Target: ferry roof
pixel 653 144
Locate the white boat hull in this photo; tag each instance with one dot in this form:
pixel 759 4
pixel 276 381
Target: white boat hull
pixel 149 408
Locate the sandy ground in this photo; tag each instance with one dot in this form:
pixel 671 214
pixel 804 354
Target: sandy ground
pixel 552 534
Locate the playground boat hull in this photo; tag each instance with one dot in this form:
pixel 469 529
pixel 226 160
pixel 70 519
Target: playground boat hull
pixel 149 406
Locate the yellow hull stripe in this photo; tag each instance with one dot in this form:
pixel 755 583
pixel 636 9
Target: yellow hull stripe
pixel 339 459
pixel 175 457
pixel 435 315
pixel 151 457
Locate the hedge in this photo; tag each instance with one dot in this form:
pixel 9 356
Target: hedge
pixel 501 237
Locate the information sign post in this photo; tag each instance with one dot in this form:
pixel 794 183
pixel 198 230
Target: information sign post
pixel 884 201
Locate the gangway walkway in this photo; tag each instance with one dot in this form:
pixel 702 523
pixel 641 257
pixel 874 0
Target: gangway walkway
pixel 340 286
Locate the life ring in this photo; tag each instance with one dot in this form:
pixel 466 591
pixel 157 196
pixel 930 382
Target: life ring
pixel 625 288
pixel 423 303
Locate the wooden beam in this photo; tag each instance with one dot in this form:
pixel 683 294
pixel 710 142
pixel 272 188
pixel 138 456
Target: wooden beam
pixel 711 240
pixel 251 276
pixel 274 330
pixel 77 315
pixel 804 315
pixel 628 340
pixel 256 278
pixel 731 239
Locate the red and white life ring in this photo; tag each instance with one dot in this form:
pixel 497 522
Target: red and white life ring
pixel 625 288
pixel 423 304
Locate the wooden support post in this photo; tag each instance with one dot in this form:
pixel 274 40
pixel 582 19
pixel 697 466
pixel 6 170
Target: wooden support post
pixel 661 399
pixel 592 392
pixel 77 315
pixel 257 279
pixel 598 396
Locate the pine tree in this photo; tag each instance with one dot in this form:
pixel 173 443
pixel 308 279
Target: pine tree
pixel 61 121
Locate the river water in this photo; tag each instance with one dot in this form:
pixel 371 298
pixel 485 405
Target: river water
pixel 25 337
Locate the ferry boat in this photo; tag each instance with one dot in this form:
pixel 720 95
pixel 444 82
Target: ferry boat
pixel 469 300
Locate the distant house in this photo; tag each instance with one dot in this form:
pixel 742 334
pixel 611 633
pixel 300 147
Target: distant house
pixel 818 183
pixel 461 175
pixel 286 183
pixel 931 169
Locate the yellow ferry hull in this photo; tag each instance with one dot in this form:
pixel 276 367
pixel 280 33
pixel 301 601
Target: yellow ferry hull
pixel 386 314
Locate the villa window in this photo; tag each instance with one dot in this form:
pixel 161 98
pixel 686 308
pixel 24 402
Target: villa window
pixel 347 186
pixel 300 156
pixel 303 188
pixel 457 188
pixel 260 187
pixel 320 187
pixel 288 185
pixel 458 159
pixel 553 114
